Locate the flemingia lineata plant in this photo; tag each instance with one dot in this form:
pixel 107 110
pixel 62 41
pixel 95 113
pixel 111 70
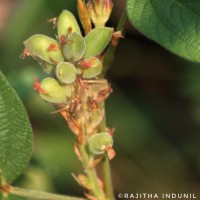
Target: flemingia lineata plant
pixel 75 85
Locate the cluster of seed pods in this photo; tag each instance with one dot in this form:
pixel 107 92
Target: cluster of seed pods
pixel 70 60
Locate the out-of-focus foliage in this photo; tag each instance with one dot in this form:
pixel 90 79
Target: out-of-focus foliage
pixel 15 133
pixel 155 108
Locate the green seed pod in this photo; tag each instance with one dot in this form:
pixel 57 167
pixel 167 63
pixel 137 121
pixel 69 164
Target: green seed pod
pixel 94 118
pixel 75 47
pixel 67 21
pixel 45 48
pixel 99 143
pixel 66 72
pixel 97 40
pixel 92 67
pixel 53 92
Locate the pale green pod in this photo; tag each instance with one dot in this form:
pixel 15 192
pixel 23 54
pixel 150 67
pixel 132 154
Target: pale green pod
pixel 79 71
pixel 94 118
pixel 53 92
pixel 67 20
pixel 93 69
pixel 99 143
pixel 66 72
pixel 45 48
pixel 75 47
pixel 94 89
pixel 97 40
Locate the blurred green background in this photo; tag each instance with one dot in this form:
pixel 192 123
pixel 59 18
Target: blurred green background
pixel 155 108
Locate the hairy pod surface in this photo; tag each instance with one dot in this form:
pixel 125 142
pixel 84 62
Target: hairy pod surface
pixel 66 72
pixel 95 117
pixel 75 47
pixel 99 143
pixel 93 69
pixel 94 89
pixel 67 20
pixel 39 45
pixel 54 92
pixel 97 40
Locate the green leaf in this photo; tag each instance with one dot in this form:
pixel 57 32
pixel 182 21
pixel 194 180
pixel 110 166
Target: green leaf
pixel 97 40
pixel 174 24
pixel 15 133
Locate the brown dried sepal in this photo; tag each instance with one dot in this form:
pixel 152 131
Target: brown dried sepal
pixel 53 21
pixel 116 37
pixel 25 53
pixel 89 196
pixel 5 188
pixel 82 180
pixel 111 153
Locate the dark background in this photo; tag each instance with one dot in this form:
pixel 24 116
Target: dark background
pixel 155 108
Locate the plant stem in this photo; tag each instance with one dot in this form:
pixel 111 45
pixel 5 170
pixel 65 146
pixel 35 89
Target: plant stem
pixel 105 164
pixel 93 182
pixel 0 178
pixel 107 178
pixel 91 174
pixel 122 21
pixel 109 56
pixel 39 195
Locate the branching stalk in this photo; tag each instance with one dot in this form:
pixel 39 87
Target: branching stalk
pixel 91 174
pixel 79 100
pixel 32 194
pixel 109 56
pixel 107 179
pixel 105 164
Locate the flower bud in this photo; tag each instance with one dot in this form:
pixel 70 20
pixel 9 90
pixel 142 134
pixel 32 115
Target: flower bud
pixel 100 11
pixel 99 143
pixel 84 16
pixel 66 72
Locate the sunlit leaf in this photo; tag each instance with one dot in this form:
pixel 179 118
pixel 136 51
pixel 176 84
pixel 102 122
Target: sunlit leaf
pixel 174 24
